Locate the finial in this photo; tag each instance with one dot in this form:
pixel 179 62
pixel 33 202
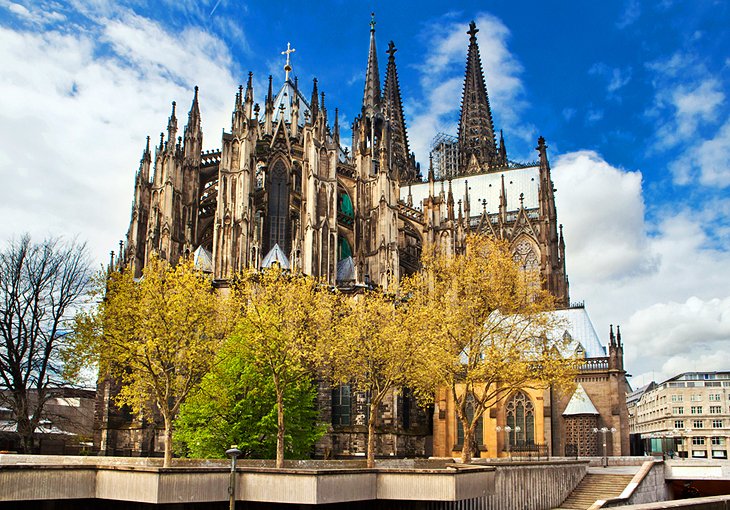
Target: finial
pixel 196 92
pixel 287 67
pixel 484 204
pixel 541 143
pixel 472 31
pixel 162 139
pixel 372 22
pixel 522 200
pixel 618 335
pixel 391 50
pixel 147 149
pixel 173 109
pixel 610 335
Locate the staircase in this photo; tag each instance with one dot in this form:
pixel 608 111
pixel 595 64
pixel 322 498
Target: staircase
pixel 594 487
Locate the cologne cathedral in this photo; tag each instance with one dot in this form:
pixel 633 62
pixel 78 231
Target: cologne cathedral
pixel 283 189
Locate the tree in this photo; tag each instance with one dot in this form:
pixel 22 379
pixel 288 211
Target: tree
pixel 157 336
pixel 40 283
pixel 236 404
pixel 485 327
pixel 280 316
pixel 372 348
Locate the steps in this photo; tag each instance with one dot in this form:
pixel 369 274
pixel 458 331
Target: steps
pixel 594 487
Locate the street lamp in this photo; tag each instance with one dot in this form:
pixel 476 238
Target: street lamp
pixel 233 452
pixel 603 431
pixel 507 431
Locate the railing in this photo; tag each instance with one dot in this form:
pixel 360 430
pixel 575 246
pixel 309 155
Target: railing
pixel 594 364
pixel 529 450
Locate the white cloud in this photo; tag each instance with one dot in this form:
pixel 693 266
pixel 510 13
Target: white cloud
pixel 616 77
pixel 442 76
pixel 664 280
pixel 706 161
pixel 76 108
pixel 630 14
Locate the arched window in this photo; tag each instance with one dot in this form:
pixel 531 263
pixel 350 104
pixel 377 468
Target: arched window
pixel 343 248
pixel 525 256
pixel 278 191
pixel 521 413
pixel 478 437
pixel 345 211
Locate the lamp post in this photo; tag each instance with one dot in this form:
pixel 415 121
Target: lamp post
pixel 507 431
pixel 603 431
pixel 233 452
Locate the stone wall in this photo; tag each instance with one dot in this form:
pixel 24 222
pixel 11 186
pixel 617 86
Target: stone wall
pixel 647 486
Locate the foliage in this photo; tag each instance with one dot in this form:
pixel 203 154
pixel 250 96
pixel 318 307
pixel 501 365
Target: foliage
pixel 372 348
pixel 485 330
pixel 157 336
pixel 40 284
pixel 279 318
pixel 236 404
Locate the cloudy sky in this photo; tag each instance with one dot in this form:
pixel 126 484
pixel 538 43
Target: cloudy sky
pixel 631 96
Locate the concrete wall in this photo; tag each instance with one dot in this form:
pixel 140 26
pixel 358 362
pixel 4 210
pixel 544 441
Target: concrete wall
pixel 647 486
pixel 532 485
pixel 711 503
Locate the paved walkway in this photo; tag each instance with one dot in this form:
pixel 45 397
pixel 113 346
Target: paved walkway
pixel 614 470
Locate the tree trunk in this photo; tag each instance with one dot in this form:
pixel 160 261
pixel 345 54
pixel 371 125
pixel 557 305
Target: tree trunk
pixel 466 447
pixel 168 442
pixel 280 428
pixel 372 419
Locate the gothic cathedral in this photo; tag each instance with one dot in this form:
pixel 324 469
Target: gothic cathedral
pixel 283 189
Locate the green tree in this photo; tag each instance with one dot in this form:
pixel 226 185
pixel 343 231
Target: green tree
pixel 157 336
pixel 484 326
pixel 236 404
pixel 279 319
pixel 372 348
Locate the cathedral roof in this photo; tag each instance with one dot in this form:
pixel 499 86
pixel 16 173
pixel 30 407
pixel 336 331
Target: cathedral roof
pixel 285 98
pixel 203 259
pixel 276 256
pixel 578 325
pixel 580 403
pixel 487 187
pixel 346 270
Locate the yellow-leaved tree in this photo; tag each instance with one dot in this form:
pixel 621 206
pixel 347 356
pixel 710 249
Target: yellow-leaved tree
pixel 279 318
pixel 372 349
pixel 484 326
pixel 157 336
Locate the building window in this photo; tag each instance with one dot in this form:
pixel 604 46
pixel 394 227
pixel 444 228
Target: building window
pixel 278 209
pixel 718 441
pixel 698 441
pixel 715 409
pixel 699 453
pixel 698 424
pixel 677 398
pixel 678 424
pixel 696 409
pixel 716 424
pixel 341 405
pixel 521 413
pixel 478 429
pixel 678 410
pixel 696 398
pixel 714 397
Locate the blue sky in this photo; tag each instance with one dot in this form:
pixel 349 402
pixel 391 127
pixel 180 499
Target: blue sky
pixel 631 96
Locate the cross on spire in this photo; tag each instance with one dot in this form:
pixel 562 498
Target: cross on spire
pixel 391 49
pixel 472 30
pixel 287 67
pixel 372 22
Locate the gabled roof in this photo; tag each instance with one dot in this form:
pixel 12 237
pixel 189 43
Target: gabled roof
pixel 286 97
pixel 203 259
pixel 346 270
pixel 276 255
pixel 578 325
pixel 580 403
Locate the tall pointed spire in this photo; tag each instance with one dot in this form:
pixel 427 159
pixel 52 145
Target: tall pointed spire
pixel 314 104
pixel 476 129
pixel 371 98
pixel 172 128
pixel 249 96
pixel 397 124
pixel 193 130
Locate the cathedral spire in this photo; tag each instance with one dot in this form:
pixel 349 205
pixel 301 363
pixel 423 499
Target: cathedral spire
pixel 371 97
pixel 314 104
pixel 397 124
pixel 476 129
pixel 193 130
pixel 172 128
pixel 248 110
